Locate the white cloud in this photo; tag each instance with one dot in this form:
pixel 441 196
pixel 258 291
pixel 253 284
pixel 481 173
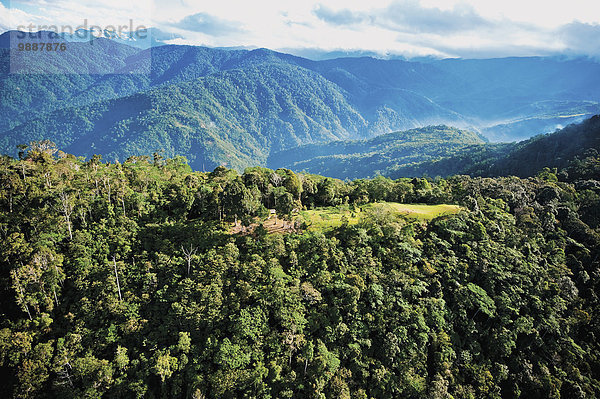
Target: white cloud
pixel 11 18
pixel 76 13
pixel 543 13
pixel 409 27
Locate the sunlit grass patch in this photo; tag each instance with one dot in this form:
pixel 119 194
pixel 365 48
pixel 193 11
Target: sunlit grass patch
pixel 332 217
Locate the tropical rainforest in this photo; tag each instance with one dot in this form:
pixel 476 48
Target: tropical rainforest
pixel 191 222
pixel 124 279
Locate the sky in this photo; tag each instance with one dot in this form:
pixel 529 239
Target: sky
pixel 408 28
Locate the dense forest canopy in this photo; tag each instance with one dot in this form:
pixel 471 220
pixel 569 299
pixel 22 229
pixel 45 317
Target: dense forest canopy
pixel 123 280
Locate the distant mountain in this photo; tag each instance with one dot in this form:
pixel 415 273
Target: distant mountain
pixel 11 39
pixel 317 54
pixel 556 150
pixel 442 151
pixel 233 118
pixel 238 107
pixel 515 98
pixel 35 83
pixel 380 155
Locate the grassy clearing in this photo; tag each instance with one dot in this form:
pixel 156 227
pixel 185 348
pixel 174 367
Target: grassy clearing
pixel 331 217
pixel 416 211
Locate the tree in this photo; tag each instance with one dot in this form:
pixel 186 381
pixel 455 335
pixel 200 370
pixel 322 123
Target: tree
pixel 189 253
pixel 293 185
pixel 117 278
pixel 43 147
pixel 234 195
pixel 66 206
pixel 285 203
pixel 327 193
pixel 231 355
pixel 276 179
pixel 121 358
pixel 165 365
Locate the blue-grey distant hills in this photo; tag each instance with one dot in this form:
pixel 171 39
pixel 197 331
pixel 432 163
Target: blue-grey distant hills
pixel 239 107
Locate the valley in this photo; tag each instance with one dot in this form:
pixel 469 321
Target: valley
pixel 238 108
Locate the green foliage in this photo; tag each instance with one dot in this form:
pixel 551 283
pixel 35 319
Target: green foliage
pixel 240 108
pixel 381 155
pixel 122 280
pixel 444 151
pixel 231 118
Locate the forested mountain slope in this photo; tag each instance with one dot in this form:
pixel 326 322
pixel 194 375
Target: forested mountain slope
pixel 360 159
pixel 314 101
pixel 122 280
pixel 555 150
pixel 233 118
pixel 442 151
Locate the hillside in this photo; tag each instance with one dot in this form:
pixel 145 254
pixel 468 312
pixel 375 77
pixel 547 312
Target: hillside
pixel 442 151
pixel 123 280
pixel 233 118
pixel 255 103
pixel 555 150
pixel 360 159
pixel 312 199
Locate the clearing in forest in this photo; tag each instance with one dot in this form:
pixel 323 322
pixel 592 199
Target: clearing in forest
pixel 325 218
pixel 331 217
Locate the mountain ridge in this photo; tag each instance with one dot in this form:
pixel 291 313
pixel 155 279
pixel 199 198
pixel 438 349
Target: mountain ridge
pixel 399 154
pixel 363 97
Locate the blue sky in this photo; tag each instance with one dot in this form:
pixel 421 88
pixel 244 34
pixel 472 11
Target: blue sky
pixel 442 28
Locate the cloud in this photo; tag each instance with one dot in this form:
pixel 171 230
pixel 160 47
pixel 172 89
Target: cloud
pixel 460 30
pixel 5 20
pixel 510 38
pixel 163 36
pixel 411 28
pixel 408 16
pixel 208 25
pixel 582 38
pixel 11 18
pixel 341 17
pixel 77 12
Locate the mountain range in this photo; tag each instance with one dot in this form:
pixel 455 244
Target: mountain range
pixel 354 159
pixel 442 151
pixel 240 108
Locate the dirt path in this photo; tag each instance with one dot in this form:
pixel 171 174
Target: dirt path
pixel 273 225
